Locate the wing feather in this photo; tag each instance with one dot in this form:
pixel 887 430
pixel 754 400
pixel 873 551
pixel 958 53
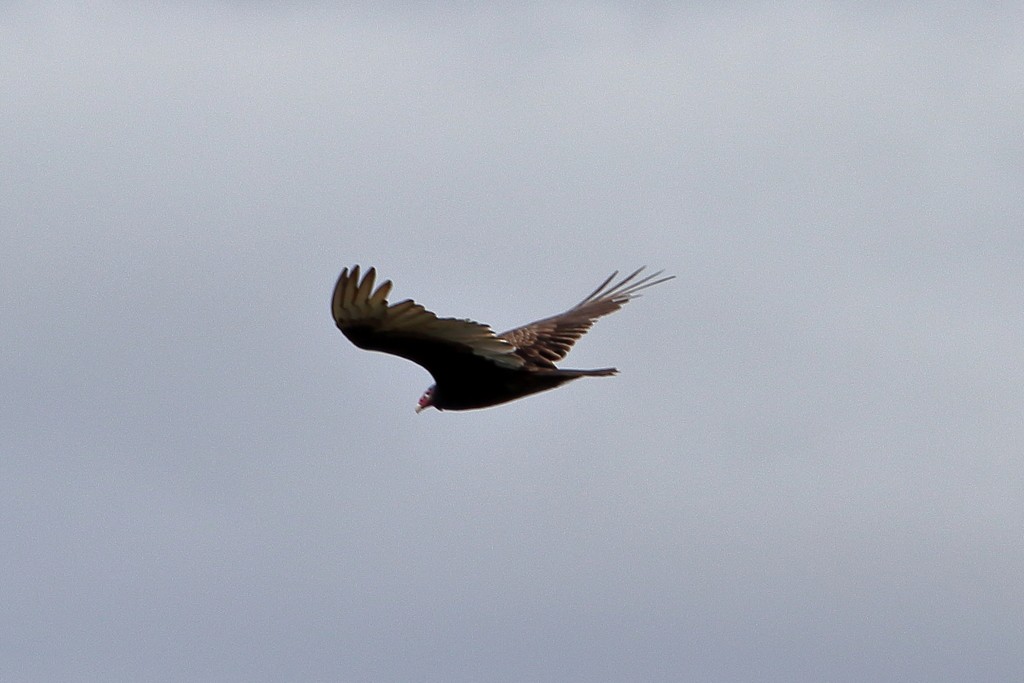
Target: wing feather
pixel 546 341
pixel 409 330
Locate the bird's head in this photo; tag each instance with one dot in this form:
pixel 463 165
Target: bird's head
pixel 427 399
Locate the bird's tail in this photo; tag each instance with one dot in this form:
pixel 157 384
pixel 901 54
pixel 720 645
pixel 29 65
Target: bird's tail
pixel 600 372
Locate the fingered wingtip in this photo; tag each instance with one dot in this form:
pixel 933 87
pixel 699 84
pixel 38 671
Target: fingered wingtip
pixel 628 287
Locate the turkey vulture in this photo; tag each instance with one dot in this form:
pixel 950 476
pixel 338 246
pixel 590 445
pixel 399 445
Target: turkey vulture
pixel 473 367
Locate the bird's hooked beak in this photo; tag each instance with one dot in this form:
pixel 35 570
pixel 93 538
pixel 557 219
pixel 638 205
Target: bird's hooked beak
pixel 426 400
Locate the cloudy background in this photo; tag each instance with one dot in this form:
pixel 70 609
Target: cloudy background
pixel 809 469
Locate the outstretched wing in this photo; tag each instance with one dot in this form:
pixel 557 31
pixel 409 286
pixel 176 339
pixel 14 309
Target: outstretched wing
pixel 546 341
pixel 407 329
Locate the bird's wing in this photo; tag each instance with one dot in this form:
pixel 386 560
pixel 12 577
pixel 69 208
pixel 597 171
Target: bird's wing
pixel 546 341
pixel 407 329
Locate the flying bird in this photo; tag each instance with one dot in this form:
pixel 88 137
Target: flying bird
pixel 472 366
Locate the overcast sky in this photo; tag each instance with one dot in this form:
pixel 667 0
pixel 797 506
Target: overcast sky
pixel 809 469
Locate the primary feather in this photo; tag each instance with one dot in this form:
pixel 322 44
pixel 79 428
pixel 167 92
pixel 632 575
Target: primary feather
pixel 546 341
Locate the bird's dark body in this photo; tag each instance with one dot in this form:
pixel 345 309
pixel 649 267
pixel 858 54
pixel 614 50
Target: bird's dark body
pixel 471 365
pixel 501 386
pixel 468 381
